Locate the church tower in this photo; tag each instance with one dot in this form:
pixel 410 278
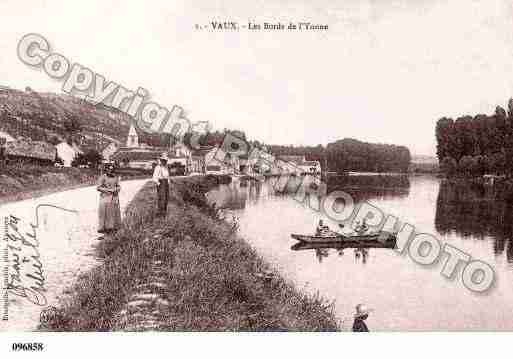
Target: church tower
pixel 132 139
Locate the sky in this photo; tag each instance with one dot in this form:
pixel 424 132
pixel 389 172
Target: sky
pixel 384 71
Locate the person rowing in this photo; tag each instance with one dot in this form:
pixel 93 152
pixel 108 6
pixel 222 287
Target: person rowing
pixel 322 229
pixel 361 228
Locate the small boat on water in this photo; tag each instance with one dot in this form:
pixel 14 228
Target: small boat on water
pixel 390 244
pixel 343 238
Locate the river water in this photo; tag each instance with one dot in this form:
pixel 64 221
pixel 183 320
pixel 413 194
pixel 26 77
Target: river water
pixel 403 294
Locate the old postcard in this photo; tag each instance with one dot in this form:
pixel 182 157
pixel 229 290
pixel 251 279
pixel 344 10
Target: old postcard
pixel 255 166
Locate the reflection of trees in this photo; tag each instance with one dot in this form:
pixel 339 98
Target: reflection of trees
pixel 229 197
pixel 254 190
pixel 470 210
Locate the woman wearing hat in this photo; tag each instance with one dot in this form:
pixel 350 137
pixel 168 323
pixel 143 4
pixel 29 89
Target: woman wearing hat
pixel 161 178
pixel 362 313
pixel 109 213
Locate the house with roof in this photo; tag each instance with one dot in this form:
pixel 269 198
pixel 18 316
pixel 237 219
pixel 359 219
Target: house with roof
pixel 109 151
pixel 299 164
pixel 136 153
pixel 310 167
pixel 67 152
pixel 210 158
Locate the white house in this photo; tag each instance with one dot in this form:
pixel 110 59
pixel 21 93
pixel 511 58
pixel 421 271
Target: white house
pixel 67 152
pixel 132 140
pixel 216 161
pixel 8 138
pixel 109 151
pixel 310 167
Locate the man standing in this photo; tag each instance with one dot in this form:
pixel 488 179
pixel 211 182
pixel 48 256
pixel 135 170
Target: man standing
pixel 161 178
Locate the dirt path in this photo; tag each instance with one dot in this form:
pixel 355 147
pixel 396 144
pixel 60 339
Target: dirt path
pixel 66 244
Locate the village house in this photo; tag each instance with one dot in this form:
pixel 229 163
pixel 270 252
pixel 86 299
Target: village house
pixel 198 156
pixel 310 167
pixel 109 151
pixel 67 152
pixel 299 165
pixel 140 155
pixel 136 154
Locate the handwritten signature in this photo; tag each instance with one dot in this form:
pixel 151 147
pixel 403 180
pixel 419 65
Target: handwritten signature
pixel 25 266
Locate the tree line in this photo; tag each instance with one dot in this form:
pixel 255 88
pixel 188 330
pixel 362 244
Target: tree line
pixel 473 146
pixel 353 155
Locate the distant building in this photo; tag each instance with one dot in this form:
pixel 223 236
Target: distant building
pixel 137 154
pixel 109 151
pixel 132 140
pixel 6 136
pixel 213 159
pixel 299 164
pixel 198 164
pixel 145 159
pixel 310 167
pixel 293 158
pixel 67 152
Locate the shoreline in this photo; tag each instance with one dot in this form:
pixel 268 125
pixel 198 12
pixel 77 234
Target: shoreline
pixel 189 271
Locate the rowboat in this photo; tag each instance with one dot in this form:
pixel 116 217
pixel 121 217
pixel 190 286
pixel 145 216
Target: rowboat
pixel 343 238
pixel 298 246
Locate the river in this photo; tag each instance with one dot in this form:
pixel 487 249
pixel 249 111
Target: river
pixel 404 295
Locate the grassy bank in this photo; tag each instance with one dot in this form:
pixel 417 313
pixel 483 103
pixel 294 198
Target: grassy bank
pixel 186 272
pixel 18 182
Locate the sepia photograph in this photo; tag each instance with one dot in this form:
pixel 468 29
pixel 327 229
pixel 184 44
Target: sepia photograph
pixel 273 174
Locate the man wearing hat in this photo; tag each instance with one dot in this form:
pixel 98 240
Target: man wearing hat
pixel 362 313
pixel 161 178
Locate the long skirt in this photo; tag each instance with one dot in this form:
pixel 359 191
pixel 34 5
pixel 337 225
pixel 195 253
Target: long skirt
pixel 109 213
pixel 163 196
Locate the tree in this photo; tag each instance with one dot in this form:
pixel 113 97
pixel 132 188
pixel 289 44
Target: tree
pixel 93 157
pixel 79 160
pixel 54 140
pixel 449 166
pixel 89 158
pixel 465 165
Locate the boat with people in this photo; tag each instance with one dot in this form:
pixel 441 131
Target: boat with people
pixel 356 244
pixel 339 237
pixel 360 234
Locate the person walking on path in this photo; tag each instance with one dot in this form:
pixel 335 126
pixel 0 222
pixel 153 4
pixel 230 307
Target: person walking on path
pixel 362 313
pixel 109 212
pixel 161 178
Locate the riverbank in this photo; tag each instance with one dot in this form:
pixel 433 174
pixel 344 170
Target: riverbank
pixel 189 271
pixel 31 181
pixel 480 188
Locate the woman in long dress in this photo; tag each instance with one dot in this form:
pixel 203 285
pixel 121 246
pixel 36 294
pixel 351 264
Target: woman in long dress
pixel 109 213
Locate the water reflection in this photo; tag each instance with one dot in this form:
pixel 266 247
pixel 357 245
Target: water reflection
pixel 471 212
pixel 362 253
pixel 465 217
pixel 240 191
pixel 360 249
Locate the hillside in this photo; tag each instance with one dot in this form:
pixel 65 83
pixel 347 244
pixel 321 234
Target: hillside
pixel 55 117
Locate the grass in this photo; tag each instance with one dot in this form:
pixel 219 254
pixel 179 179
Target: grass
pixel 208 278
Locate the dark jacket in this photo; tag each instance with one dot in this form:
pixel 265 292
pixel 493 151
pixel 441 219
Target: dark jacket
pixel 359 325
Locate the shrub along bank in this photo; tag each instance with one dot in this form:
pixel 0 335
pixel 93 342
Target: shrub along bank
pixel 188 271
